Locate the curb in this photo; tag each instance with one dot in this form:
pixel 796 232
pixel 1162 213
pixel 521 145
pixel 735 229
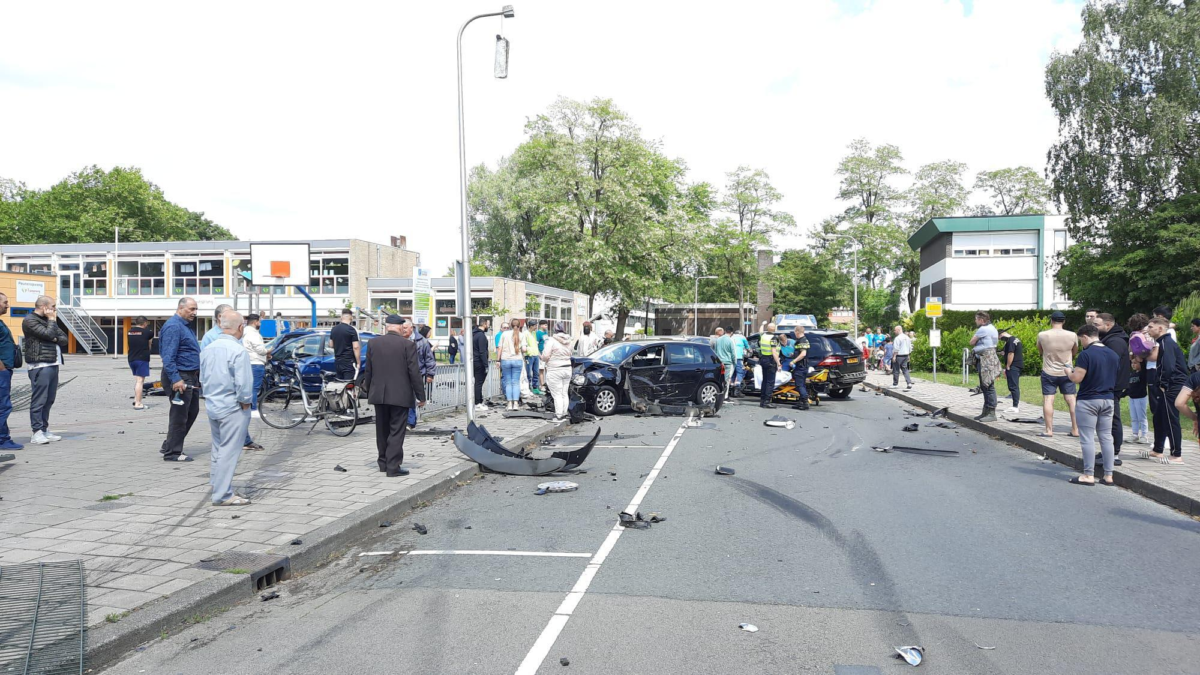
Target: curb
pixel 1181 502
pixel 107 643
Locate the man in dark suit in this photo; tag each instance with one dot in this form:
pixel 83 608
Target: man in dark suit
pixel 393 380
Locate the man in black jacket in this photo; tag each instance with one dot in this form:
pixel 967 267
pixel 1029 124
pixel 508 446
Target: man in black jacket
pixel 480 344
pixel 1115 338
pixel 44 342
pixel 394 384
pixel 1164 384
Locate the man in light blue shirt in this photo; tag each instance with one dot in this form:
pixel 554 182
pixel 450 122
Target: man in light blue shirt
pixel 228 391
pixel 740 346
pixel 214 332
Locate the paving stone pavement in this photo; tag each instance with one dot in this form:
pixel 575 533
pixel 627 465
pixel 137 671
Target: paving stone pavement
pixel 1182 480
pixel 142 546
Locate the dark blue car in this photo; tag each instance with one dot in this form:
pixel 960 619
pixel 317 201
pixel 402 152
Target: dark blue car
pixel 312 351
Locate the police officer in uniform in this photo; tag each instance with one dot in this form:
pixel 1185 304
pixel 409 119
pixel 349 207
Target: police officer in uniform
pixel 768 358
pixel 800 367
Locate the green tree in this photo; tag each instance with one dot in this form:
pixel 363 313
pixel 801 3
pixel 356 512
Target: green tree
pixel 733 241
pixel 1013 191
pixel 865 180
pixel 937 191
pixel 1128 106
pixel 88 204
pixel 478 269
pixel 805 283
pixel 1142 262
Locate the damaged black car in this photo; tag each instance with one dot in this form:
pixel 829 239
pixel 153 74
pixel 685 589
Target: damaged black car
pixel 665 372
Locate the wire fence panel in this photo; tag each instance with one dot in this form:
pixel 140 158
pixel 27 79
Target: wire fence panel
pixel 43 618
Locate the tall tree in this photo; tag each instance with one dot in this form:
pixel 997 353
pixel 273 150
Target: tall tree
pixel 88 204
pixel 1128 106
pixel 937 191
pixel 1013 191
pixel 803 282
pixel 584 203
pixel 865 180
pixel 1127 161
pixel 751 219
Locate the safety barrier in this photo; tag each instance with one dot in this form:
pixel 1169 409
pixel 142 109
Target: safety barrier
pixel 449 387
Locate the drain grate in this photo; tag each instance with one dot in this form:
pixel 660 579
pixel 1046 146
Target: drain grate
pixel 43 618
pixel 265 569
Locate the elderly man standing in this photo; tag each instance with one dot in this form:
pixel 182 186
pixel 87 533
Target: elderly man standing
pixel 393 381
pixel 181 369
pixel 214 332
pixel 901 351
pixel 984 343
pixel 44 342
pixel 228 392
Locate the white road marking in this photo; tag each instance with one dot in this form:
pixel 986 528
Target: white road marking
pixel 376 553
pixel 545 642
pixel 547 554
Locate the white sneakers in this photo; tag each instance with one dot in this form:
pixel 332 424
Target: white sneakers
pixel 44 437
pixel 481 408
pixel 1014 410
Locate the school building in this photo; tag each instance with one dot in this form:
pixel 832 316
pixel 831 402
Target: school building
pixel 100 290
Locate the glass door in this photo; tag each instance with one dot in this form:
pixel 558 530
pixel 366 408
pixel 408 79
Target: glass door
pixel 69 286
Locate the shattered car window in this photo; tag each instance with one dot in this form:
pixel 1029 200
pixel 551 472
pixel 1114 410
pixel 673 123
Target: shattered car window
pixel 615 353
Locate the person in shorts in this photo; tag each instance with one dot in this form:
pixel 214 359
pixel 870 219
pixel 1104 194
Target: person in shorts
pixel 139 336
pixel 1058 348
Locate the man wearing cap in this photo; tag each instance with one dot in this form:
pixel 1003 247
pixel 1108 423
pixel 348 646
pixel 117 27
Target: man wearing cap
pixel 1058 348
pixel 1013 360
pixel 393 381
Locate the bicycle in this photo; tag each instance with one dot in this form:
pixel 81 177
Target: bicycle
pixel 287 404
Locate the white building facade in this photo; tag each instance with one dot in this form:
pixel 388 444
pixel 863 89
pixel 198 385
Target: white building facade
pixel 993 262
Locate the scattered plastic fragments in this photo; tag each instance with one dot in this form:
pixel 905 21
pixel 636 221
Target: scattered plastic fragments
pixel 556 486
pixel 724 470
pixel 913 450
pixel 1028 420
pixel 912 427
pixel 943 425
pixel 982 647
pixel 656 517
pixel 564 661
pixel 748 627
pixel 633 522
pixel 420 529
pixel 780 421
pixel 269 596
pixel 340 468
pixel 913 654
pixel 386 523
pixel 297 542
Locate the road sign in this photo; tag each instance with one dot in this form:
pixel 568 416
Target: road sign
pixel 933 307
pixel 935 338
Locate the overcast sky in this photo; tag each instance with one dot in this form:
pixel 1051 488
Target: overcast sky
pixel 310 120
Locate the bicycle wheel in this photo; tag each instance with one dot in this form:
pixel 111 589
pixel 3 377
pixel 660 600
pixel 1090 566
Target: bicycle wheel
pixel 282 407
pixel 341 413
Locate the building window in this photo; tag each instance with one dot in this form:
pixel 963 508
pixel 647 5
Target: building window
pixel 329 276
pixel 135 277
pixel 95 278
pixel 445 307
pixel 198 277
pixel 1060 241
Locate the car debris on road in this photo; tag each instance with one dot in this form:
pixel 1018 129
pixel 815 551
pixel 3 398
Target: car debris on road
pixel 913 654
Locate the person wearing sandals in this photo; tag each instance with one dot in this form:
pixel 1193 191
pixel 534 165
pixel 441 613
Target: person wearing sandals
pixel 1095 373
pixel 1164 383
pixel 139 337
pixel 228 391
pixel 1057 345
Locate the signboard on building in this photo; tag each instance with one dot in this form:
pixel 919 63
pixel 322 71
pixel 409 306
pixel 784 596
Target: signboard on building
pixel 933 307
pixel 30 291
pixel 422 294
pixel 581 308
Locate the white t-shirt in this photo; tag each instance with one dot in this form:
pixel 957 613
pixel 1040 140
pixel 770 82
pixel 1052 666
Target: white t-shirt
pixel 57 358
pixel 902 344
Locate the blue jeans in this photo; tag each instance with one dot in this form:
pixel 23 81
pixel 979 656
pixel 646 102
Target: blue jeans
pixel 1137 411
pixel 511 369
pixel 5 403
pixel 452 358
pixel 739 372
pixel 532 365
pixel 257 372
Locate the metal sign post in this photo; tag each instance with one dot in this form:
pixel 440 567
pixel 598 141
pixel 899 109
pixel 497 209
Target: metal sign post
pixel 933 310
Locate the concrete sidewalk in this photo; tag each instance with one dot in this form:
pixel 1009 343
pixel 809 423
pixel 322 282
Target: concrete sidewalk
pixel 1175 486
pixel 104 495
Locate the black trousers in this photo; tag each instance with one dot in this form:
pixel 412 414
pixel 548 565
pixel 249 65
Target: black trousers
pixel 481 373
pixel 768 381
pixel 1166 419
pixel 1013 375
pixel 43 383
pixel 391 422
pixel 1118 429
pixel 181 417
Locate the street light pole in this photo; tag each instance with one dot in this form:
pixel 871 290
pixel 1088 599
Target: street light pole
pixel 696 306
pixel 113 284
pixel 465 280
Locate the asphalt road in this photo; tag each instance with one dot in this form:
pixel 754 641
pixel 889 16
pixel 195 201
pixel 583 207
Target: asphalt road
pixel 989 559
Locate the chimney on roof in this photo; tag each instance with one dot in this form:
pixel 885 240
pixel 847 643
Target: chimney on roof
pixel 400 242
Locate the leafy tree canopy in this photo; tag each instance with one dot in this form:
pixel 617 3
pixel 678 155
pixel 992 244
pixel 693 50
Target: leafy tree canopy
pixel 1014 191
pixel 88 204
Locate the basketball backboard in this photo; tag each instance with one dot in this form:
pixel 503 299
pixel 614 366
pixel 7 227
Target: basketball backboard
pixel 279 264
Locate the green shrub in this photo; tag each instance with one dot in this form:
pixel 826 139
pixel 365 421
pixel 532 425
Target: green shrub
pixel 954 341
pixel 954 318
pixel 1187 309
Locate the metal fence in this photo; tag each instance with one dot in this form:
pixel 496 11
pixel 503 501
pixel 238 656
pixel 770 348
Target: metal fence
pixel 449 388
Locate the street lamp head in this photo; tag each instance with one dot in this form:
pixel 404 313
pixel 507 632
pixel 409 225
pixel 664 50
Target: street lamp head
pixel 507 12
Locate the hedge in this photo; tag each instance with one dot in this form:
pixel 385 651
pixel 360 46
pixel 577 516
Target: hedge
pixel 955 318
pixel 954 341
